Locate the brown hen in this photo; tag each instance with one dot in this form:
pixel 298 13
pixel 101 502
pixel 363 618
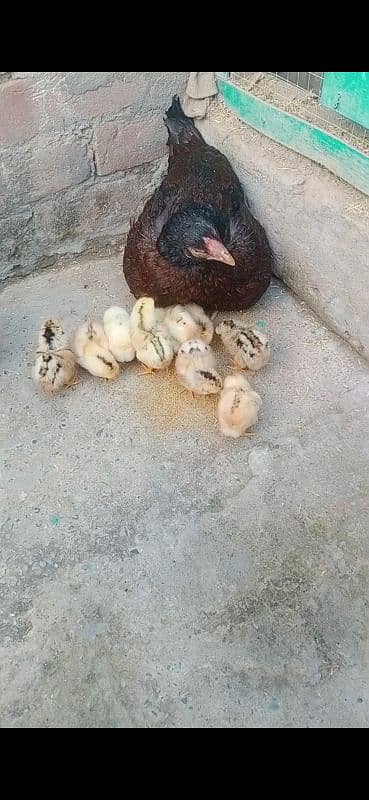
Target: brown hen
pixel 196 240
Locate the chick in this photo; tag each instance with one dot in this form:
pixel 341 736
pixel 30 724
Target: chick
pixel 205 323
pixel 145 315
pixel 159 314
pixel 55 364
pixel 92 350
pixel 117 329
pixel 51 336
pixel 195 368
pixel 238 406
pixel 150 337
pixel 55 371
pixel 153 349
pixel 248 347
pixel 181 325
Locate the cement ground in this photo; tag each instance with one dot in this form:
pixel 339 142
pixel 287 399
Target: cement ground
pixel 155 574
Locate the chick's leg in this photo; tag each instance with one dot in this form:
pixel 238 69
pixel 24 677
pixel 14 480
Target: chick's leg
pixel 190 391
pixel 146 371
pixel 74 382
pixel 236 367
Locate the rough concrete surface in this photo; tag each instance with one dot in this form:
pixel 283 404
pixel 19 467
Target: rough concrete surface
pixel 73 147
pixel 155 574
pixel 318 224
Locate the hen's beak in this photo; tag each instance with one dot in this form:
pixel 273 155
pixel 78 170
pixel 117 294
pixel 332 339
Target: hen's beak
pixel 216 251
pixel 226 258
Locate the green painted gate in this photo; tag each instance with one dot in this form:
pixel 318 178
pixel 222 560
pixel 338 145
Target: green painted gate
pixel 346 93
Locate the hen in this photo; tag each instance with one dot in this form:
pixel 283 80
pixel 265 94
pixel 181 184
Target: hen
pixel 196 240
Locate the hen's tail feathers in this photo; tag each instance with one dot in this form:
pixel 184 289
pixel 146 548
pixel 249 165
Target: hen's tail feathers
pixel 181 129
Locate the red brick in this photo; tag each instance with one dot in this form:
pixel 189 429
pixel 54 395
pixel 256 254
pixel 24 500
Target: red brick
pixel 38 75
pixel 19 117
pixel 102 208
pixel 58 165
pixel 51 166
pixel 16 235
pixel 120 145
pixel 80 82
pixel 28 107
pixel 105 100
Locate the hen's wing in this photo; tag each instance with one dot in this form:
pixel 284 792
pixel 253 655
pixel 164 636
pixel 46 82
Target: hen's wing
pixel 144 268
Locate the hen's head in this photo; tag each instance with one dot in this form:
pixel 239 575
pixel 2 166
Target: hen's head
pixel 194 236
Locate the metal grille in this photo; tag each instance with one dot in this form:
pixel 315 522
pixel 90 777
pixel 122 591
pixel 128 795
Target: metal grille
pixel 310 81
pixel 298 93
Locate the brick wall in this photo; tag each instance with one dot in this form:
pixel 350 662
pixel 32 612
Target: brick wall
pixel 79 153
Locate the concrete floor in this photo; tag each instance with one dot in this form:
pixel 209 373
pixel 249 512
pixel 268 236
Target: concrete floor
pixel 155 574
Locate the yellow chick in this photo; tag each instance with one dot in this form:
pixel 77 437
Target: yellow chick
pixel 181 325
pixel 205 323
pixel 238 406
pixel 91 347
pixel 159 314
pixel 195 368
pixel 55 363
pixel 143 316
pixel 150 337
pixel 248 347
pixel 117 327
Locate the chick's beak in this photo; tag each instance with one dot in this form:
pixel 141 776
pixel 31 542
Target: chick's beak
pixel 218 252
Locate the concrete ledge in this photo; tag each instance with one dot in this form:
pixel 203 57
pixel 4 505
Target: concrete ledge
pixel 317 224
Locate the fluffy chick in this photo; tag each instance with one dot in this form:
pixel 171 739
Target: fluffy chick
pixel 195 368
pixel 248 347
pixel 238 406
pixel 55 371
pixel 91 347
pixel 205 323
pixel 150 337
pixel 117 327
pixel 181 325
pixel 145 315
pixel 51 337
pixel 55 364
